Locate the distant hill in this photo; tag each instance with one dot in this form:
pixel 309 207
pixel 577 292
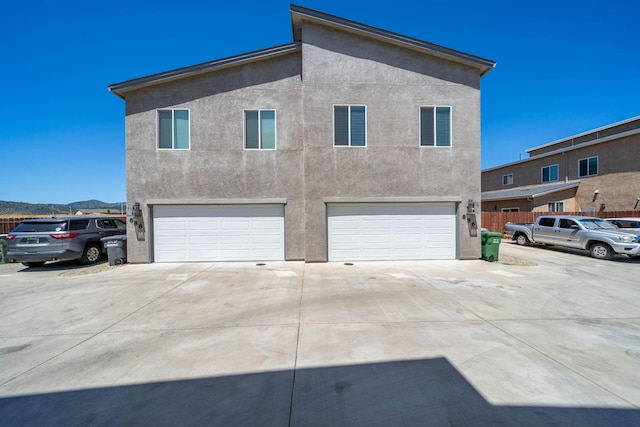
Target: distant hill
pixel 20 209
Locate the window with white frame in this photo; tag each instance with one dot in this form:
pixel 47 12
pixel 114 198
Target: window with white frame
pixel 510 209
pixel 550 173
pixel 588 167
pixel 350 125
pixel 260 129
pixel 555 206
pixel 173 129
pixel 507 179
pixel 435 126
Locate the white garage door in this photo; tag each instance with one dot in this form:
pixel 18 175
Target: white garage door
pixel 218 233
pixel 391 231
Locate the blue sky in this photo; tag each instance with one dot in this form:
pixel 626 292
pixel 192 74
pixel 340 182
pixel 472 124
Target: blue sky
pixel 563 67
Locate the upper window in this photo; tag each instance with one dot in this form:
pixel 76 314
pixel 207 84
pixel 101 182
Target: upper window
pixel 550 173
pixel 173 129
pixel 350 125
pixel 555 206
pixel 507 179
pixel 588 167
pixel 435 126
pixel 260 129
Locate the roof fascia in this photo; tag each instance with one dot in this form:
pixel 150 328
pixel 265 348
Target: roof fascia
pixel 566 149
pixel 299 13
pixel 120 89
pixel 600 129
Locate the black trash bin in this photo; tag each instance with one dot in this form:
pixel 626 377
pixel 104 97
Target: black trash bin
pixel 116 247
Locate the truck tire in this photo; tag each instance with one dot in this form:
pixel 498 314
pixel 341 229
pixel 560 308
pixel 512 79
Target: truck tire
pixel 601 250
pixel 521 239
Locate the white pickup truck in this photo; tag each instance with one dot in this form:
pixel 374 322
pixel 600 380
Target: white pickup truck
pixel 601 238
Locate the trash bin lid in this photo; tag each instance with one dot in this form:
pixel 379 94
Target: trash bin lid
pixel 117 237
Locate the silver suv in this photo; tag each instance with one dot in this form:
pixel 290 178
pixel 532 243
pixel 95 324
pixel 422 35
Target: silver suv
pixel 36 241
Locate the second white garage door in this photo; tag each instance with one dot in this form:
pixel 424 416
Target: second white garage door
pixel 391 231
pixel 218 233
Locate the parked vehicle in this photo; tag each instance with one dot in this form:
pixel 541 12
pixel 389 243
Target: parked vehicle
pixel 36 241
pixel 630 225
pixel 601 238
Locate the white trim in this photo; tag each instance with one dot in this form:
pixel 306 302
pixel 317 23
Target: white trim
pixel 510 210
pixel 244 129
pixel 588 174
pixel 366 123
pixel 435 130
pixel 550 180
pixel 158 148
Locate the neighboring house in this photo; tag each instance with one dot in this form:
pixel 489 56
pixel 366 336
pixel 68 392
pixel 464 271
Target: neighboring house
pixel 590 172
pixel 351 143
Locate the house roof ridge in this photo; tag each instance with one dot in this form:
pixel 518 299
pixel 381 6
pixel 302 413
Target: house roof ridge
pixel 484 64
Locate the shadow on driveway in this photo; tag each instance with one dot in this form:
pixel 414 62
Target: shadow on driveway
pixel 63 266
pixel 427 392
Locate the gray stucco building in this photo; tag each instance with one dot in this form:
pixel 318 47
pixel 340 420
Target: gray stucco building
pixel 350 143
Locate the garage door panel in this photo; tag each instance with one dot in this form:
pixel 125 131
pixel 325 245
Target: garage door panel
pixel 391 231
pixel 218 233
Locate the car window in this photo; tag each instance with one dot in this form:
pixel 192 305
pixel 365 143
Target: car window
pixel 120 223
pixel 546 222
pixel 38 227
pixel 594 223
pixel 626 224
pixel 566 223
pixel 106 223
pixel 79 224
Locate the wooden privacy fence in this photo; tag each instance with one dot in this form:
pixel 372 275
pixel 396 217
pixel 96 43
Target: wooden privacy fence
pixel 495 221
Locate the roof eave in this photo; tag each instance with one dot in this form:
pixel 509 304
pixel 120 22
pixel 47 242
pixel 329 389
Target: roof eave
pixel 121 89
pixel 530 195
pixel 298 13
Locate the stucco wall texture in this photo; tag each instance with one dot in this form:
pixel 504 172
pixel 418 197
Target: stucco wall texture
pixel 306 169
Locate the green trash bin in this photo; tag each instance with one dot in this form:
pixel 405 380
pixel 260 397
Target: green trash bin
pixel 491 245
pixel 3 248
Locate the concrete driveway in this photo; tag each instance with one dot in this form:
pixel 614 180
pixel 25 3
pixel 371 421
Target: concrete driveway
pixel 288 343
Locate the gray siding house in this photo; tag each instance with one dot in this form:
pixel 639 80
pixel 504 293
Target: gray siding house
pixel 350 143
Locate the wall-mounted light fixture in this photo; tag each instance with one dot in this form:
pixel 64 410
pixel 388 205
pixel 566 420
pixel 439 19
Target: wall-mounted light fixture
pixel 133 210
pixel 595 195
pixel 602 206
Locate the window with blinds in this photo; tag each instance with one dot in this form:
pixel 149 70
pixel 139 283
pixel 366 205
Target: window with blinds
pixel 350 125
pixel 260 129
pixel 435 126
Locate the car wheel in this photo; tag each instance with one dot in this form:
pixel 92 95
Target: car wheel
pixel 34 263
pixel 522 240
pixel 601 251
pixel 92 254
